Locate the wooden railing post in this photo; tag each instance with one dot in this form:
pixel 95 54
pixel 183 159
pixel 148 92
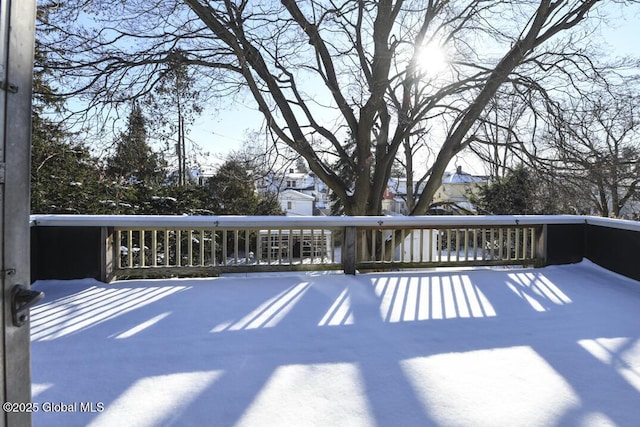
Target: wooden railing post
pixel 349 250
pixel 108 253
pixel 540 250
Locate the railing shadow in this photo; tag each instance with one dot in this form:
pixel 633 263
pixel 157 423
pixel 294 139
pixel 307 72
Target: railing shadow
pixel 409 348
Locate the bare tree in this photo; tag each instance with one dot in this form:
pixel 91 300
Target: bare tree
pixel 596 139
pixel 319 70
pixel 499 141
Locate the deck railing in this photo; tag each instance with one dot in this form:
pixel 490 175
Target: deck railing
pixel 448 245
pixel 202 251
pixel 105 247
pixel 165 246
pixel 216 248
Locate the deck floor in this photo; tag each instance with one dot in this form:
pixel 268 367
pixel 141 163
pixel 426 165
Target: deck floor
pixel 480 347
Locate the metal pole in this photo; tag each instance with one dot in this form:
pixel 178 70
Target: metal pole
pixel 17 29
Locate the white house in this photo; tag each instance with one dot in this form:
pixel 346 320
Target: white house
pixel 295 203
pixel 299 192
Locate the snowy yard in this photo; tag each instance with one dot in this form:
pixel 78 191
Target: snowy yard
pixel 512 347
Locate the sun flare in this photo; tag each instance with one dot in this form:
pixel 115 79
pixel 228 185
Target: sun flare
pixel 432 59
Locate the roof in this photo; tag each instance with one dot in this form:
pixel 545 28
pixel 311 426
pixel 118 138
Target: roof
pixel 399 185
pixel 462 178
pixel 296 175
pixel 294 195
pixel 550 346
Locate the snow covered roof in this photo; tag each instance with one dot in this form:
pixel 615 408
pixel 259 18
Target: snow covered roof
pixel 550 346
pixel 399 185
pixel 290 194
pixel 461 178
pixel 296 175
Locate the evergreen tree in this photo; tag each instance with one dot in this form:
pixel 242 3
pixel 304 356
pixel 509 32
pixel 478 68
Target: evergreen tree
pixel 134 161
pixel 231 191
pixel 174 105
pixel 65 177
pixel 268 204
pixel 176 200
pixel 515 194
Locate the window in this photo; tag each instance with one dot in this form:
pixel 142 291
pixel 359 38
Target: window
pixel 293 184
pixel 289 205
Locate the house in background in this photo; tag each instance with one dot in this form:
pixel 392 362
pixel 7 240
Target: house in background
pixel 392 202
pixel 456 190
pixel 299 192
pixel 452 197
pixel 302 193
pixel 296 203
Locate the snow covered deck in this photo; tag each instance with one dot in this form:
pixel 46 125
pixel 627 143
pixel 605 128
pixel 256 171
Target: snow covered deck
pixel 477 347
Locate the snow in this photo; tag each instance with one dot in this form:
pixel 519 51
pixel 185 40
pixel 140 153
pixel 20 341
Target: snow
pixel 462 178
pixel 448 347
pixel 231 221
